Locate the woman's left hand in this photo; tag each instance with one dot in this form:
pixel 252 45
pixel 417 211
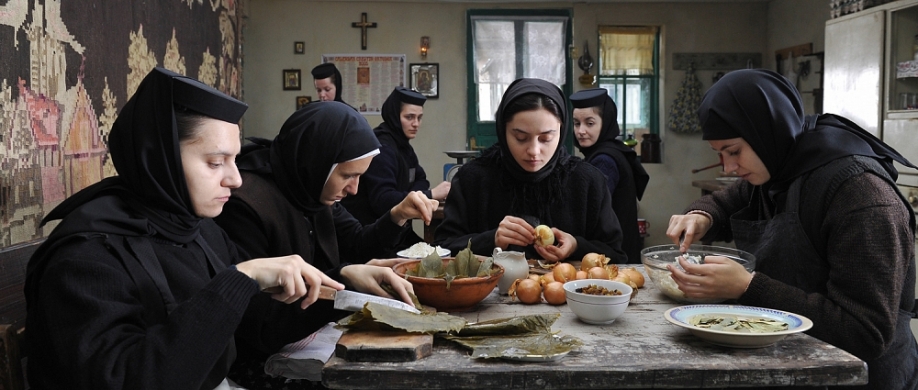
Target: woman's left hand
pixel 718 278
pixel 565 245
pixel 368 278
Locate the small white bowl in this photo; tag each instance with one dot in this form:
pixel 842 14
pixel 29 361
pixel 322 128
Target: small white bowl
pixel 597 309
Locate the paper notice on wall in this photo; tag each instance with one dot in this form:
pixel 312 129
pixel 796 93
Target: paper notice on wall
pixel 368 79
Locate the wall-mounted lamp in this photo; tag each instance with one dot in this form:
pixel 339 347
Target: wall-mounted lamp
pixel 425 44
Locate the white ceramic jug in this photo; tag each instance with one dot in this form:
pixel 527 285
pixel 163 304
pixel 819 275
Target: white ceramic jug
pixel 515 267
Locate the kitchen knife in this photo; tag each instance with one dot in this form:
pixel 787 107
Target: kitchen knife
pixel 354 301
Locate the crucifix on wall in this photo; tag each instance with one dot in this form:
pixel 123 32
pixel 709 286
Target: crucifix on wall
pixel 363 25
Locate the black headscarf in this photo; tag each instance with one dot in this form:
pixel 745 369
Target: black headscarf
pixel 390 131
pixel 326 70
pixel 765 109
pixel 533 193
pixel 150 197
pixel 312 141
pixel 607 142
pixel 145 150
pixel 519 88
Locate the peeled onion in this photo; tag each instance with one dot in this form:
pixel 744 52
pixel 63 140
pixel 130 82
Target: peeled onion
pixel 544 236
pixel 554 293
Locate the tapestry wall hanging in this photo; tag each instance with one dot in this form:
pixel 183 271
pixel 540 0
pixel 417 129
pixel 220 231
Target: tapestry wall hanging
pixel 368 79
pixel 65 74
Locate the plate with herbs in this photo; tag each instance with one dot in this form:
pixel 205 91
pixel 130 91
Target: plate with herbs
pixel 737 326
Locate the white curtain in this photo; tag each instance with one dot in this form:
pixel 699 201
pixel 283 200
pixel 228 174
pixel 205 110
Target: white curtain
pixel 495 55
pixel 626 50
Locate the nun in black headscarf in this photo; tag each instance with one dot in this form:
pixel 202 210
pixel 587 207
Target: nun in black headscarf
pixel 819 208
pixel 396 172
pixel 327 80
pixel 137 287
pixel 528 179
pixel 596 130
pixel 289 203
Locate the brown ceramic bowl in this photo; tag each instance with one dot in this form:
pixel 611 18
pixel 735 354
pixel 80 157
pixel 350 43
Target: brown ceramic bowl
pixel 463 294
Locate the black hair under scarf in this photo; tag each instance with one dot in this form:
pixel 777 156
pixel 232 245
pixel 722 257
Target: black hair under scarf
pixel 310 143
pixel 607 142
pixel 326 70
pixel 764 109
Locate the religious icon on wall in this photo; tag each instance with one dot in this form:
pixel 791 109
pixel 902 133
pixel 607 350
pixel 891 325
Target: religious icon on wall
pixel 302 101
pixel 292 79
pixel 424 79
pixel 363 75
pixel 299 47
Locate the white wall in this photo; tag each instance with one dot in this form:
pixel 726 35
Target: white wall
pixel 273 25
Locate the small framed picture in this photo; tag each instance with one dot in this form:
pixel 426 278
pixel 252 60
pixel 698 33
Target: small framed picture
pixel 302 101
pixel 424 79
pixel 292 80
pixel 299 47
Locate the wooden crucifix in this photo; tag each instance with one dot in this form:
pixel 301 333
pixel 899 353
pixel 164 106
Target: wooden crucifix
pixel 363 25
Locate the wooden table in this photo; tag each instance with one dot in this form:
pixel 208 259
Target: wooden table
pixel 639 350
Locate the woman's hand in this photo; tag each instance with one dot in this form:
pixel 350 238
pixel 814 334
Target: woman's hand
pixel 718 278
pixel 688 228
pixel 565 245
pixel 368 278
pixel 415 205
pixel 387 263
pixel 294 276
pixel 513 231
pixel 441 191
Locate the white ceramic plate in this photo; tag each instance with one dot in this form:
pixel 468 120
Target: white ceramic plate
pixel 680 316
pixel 443 252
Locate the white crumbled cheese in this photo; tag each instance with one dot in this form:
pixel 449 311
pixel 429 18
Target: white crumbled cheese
pixel 421 249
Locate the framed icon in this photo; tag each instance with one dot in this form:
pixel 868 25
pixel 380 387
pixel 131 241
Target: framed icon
pixel 302 101
pixel 424 79
pixel 292 80
pixel 299 47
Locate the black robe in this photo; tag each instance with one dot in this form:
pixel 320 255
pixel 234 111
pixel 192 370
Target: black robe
pixel 478 201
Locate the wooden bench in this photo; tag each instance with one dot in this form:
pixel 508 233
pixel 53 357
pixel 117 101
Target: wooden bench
pixel 13 262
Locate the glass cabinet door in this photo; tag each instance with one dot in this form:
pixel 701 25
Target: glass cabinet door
pixel 902 97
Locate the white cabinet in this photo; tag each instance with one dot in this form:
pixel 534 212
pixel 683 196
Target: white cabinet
pixel 862 81
pixel 854 68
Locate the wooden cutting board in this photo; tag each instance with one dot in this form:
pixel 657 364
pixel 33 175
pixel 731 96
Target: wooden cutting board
pixel 379 346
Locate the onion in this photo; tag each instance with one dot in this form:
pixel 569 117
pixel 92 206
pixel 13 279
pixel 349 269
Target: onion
pixel 527 290
pixel 635 276
pixel 544 236
pixel 593 259
pixel 598 273
pixel 564 272
pixel 554 293
pixel 546 279
pixel 535 277
pixel 581 275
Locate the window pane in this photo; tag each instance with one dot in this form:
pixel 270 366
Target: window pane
pixel 496 44
pixel 633 98
pixel 544 51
